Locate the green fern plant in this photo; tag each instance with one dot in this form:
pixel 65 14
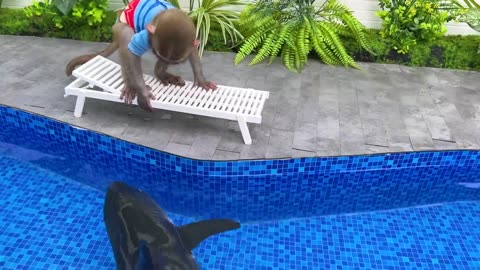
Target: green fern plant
pixel 293 29
pixel 468 13
pixel 209 14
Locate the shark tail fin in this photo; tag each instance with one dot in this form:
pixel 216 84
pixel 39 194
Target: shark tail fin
pixel 193 234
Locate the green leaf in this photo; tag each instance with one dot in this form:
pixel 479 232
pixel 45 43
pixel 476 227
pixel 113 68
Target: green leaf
pixel 175 3
pixel 64 5
pixel 215 12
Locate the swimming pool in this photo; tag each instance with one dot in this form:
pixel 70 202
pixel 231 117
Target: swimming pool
pixel 397 211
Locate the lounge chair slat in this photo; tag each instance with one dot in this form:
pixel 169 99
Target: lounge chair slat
pixel 226 102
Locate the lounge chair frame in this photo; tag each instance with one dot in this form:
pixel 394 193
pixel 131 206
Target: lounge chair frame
pixel 232 103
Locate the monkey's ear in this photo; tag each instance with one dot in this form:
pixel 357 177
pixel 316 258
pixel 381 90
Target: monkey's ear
pixel 151 28
pixel 196 42
pixel 119 12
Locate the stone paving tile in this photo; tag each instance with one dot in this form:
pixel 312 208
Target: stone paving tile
pixel 225 155
pixel 181 137
pixel 230 139
pixel 351 131
pixel 204 146
pixel 305 137
pixel 444 145
pixel 300 153
pixel 178 149
pixel 328 147
pixel 280 144
pixel 151 133
pixel 374 149
pixel 372 114
pixel 323 111
pixel 285 91
pixel 436 124
pixel 417 129
pixel 328 123
pixel 260 140
pixel 464 130
pixel 307 110
pixel 397 135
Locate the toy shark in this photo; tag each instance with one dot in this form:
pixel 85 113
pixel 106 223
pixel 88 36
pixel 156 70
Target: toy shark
pixel 144 238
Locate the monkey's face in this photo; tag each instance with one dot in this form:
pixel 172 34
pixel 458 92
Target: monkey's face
pixel 171 53
pixel 172 36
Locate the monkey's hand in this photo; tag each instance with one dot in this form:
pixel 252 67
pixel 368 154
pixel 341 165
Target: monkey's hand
pixel 199 79
pixel 203 83
pixel 168 79
pixel 143 97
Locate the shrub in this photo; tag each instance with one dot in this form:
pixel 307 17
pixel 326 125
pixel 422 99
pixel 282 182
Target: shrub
pixel 216 41
pixel 295 28
pixel 67 13
pixel 408 22
pixel 214 14
pixel 14 22
pixel 378 47
pixel 454 52
pixel 82 19
pixel 460 52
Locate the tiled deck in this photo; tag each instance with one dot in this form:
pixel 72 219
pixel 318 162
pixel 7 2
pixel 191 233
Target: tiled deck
pixel 323 111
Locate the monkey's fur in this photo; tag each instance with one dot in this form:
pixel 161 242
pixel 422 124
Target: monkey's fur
pixel 172 36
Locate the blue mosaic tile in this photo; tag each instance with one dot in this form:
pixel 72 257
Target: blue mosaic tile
pixel 250 190
pixel 48 221
pixel 51 222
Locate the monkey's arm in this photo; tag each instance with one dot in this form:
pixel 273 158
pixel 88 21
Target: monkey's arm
pixel 199 79
pixel 131 70
pixel 134 82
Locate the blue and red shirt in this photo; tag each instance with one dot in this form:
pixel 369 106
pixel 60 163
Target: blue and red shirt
pixel 138 14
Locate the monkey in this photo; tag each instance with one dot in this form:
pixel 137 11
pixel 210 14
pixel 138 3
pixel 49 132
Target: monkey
pixel 158 26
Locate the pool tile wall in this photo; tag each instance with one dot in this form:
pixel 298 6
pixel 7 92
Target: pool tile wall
pixel 248 190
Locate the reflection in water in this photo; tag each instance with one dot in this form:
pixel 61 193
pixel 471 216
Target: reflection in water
pixel 25 154
pixel 470 185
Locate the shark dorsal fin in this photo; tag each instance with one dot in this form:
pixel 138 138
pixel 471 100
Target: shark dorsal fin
pixel 193 234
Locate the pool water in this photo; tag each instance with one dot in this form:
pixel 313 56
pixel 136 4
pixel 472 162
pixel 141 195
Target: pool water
pixel 51 222
pixel 396 211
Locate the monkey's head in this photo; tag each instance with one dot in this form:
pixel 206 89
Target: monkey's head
pixel 172 36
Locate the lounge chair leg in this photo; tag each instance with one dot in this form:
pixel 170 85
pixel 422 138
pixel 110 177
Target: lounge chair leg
pixel 79 106
pixel 244 129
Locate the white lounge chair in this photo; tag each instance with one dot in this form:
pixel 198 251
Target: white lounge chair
pixel 232 103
